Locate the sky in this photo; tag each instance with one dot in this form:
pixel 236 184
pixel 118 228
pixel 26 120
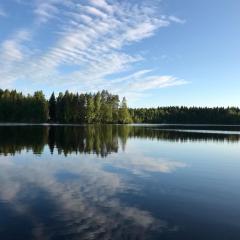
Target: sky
pixel 154 52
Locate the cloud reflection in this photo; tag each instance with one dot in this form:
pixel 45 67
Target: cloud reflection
pixel 140 164
pixel 85 202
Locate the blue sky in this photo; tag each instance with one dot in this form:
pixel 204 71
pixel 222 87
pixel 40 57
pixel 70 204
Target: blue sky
pixel 156 53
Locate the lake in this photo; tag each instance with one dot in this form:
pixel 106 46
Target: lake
pixel 119 182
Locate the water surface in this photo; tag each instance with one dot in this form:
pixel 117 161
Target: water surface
pixel 119 182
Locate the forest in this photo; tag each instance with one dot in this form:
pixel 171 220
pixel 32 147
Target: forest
pixel 185 115
pixel 102 107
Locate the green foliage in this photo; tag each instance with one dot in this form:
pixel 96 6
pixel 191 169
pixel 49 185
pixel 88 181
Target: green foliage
pixel 102 107
pixel 97 107
pixel 124 115
pixel 184 115
pixel 65 108
pixel 15 107
pixel 90 113
pixel 88 108
pixel 52 108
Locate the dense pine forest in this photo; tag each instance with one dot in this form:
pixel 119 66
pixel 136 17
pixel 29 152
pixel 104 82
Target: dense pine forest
pixel 101 107
pixel 184 115
pixel 65 108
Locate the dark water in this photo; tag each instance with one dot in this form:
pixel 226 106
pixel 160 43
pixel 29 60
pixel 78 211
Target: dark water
pixel 119 182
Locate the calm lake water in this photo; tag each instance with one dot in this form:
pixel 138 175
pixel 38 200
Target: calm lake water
pixel 119 182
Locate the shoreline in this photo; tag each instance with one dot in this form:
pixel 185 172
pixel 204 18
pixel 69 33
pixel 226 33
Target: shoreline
pixel 130 124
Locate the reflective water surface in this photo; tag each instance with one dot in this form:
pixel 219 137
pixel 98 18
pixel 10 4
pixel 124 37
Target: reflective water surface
pixel 119 182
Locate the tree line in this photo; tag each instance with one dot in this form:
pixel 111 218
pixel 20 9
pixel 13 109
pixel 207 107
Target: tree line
pixel 102 107
pixel 16 107
pixel 185 115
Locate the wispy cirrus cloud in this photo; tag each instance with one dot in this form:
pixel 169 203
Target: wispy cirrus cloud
pixel 154 82
pixel 176 19
pixel 92 36
pixel 14 54
pixel 45 11
pixel 3 13
pixel 102 4
pixel 12 49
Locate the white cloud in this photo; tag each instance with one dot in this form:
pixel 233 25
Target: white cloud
pixel 93 38
pixel 14 55
pixel 154 82
pixel 102 4
pixel 144 30
pixel 23 35
pixel 85 18
pixel 45 10
pixel 11 51
pixel 94 11
pixel 2 12
pixel 176 19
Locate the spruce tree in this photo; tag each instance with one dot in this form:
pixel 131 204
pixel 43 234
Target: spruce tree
pixel 124 115
pixel 52 108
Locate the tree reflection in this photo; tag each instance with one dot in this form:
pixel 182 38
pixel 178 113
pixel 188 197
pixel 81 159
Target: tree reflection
pixel 16 139
pixel 99 139
pixel 92 139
